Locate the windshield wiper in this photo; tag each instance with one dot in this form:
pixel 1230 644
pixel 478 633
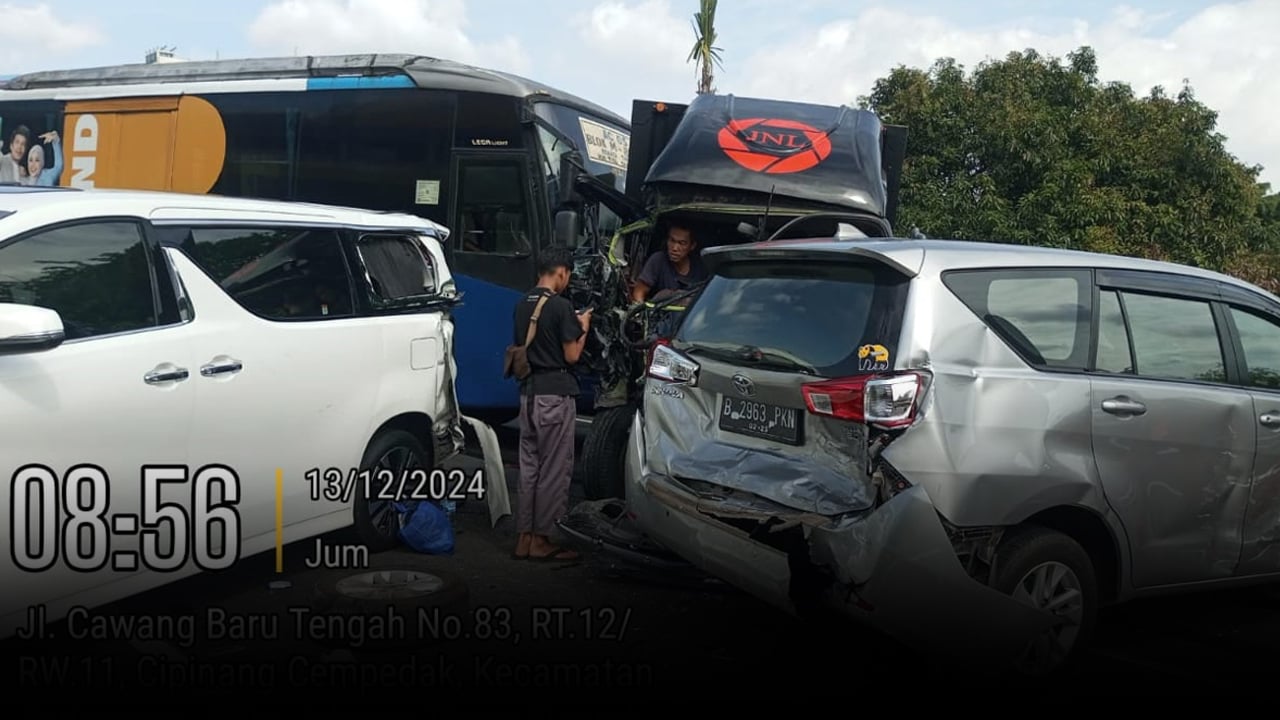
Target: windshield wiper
pixel 770 359
pixel 775 360
pixel 728 354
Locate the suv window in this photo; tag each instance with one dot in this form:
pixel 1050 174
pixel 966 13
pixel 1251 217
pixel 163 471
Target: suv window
pixel 1114 353
pixel 1174 338
pixel 96 275
pixel 1260 338
pixel 397 266
pixel 815 314
pixel 277 273
pixel 1044 315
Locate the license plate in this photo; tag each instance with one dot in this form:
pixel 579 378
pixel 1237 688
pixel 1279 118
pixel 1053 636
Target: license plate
pixel 757 419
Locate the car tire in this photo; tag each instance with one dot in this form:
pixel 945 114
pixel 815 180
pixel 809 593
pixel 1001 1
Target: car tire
pixel 409 591
pixel 604 453
pixel 375 520
pixel 1026 560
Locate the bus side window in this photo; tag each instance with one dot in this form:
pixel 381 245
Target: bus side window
pixel 492 211
pixel 260 159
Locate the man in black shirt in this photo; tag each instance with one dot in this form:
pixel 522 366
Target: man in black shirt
pixel 672 270
pixel 548 406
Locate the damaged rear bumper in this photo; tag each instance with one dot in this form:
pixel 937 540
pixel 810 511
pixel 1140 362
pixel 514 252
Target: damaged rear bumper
pixel 893 567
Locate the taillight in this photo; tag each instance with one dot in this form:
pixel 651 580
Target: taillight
pixel 667 363
pixel 884 400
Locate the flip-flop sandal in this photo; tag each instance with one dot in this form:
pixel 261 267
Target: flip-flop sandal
pixel 557 556
pixel 515 556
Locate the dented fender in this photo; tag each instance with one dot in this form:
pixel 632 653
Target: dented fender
pixel 892 567
pixel 903 575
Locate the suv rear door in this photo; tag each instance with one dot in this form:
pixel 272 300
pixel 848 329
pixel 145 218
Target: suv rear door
pixel 762 387
pixel 1173 441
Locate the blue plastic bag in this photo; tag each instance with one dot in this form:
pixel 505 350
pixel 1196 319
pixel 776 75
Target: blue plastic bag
pixel 426 528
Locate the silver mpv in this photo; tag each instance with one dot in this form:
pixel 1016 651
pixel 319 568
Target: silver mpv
pixel 970 446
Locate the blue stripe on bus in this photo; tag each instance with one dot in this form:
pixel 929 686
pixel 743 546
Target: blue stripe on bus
pixel 360 83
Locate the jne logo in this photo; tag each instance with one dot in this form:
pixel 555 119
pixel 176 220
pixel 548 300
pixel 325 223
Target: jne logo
pixel 774 145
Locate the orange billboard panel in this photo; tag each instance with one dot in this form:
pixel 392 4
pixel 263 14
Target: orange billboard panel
pixel 157 143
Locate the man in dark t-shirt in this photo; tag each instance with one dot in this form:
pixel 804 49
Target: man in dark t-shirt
pixel 548 406
pixel 675 269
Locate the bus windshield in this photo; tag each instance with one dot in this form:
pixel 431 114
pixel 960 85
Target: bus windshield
pixel 602 145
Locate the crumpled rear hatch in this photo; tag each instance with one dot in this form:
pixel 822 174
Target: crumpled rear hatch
pixel 775 374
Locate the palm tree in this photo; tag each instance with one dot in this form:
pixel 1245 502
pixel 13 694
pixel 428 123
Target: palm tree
pixel 704 50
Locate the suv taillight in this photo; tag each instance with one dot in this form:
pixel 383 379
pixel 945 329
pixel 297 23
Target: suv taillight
pixel 667 363
pixel 884 400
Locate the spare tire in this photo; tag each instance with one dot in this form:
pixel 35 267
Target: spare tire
pixel 404 604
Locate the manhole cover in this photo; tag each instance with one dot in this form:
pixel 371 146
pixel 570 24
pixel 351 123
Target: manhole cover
pixel 389 585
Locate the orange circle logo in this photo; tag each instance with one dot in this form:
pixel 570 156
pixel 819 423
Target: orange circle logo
pixel 774 145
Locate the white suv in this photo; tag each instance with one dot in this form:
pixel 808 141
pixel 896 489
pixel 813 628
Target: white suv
pixel 186 380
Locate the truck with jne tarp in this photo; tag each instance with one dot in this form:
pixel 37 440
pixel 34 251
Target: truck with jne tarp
pixel 734 170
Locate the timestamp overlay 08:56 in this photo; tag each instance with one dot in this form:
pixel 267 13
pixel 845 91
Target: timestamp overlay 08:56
pixel 182 517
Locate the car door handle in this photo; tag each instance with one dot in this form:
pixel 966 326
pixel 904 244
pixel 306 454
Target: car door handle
pixel 1270 419
pixel 230 366
pixel 1123 406
pixel 158 376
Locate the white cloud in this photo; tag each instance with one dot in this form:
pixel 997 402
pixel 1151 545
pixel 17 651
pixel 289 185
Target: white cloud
pixel 642 35
pixel 626 50
pixel 37 37
pixel 1227 52
pixel 436 28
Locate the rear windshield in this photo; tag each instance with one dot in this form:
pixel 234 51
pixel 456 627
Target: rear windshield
pixel 834 318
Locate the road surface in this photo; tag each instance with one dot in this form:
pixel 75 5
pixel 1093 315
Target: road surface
pixel 592 630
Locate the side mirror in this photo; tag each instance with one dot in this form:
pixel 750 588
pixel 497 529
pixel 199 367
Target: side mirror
pixel 570 167
pixel 27 329
pixel 568 228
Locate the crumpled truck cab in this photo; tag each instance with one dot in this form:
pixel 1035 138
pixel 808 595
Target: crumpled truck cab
pixel 850 425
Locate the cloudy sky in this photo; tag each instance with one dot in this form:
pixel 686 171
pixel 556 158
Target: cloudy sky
pixel 614 50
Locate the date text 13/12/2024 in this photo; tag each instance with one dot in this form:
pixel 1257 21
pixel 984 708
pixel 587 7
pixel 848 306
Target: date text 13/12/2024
pixel 179 517
pixel 419 484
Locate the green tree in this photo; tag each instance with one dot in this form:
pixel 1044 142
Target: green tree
pixel 1037 150
pixel 705 52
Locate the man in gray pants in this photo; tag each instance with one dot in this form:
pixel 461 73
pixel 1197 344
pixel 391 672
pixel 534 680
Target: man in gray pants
pixel 548 405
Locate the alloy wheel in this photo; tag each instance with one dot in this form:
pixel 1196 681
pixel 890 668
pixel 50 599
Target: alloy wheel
pixel 385 478
pixel 1053 587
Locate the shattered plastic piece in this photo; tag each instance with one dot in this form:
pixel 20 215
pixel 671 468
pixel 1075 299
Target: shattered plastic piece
pixel 495 473
pixel 606 525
